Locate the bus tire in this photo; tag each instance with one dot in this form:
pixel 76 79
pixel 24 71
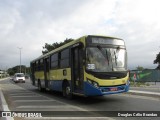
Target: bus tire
pixel 39 86
pixel 67 90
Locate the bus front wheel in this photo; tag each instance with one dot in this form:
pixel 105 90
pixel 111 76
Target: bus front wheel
pixel 67 91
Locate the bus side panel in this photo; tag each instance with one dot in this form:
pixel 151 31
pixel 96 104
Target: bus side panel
pixel 39 75
pixel 56 85
pixel 57 77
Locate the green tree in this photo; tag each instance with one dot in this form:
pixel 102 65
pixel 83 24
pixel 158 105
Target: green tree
pixel 157 60
pixel 16 69
pixel 140 68
pixel 49 47
pixel 10 71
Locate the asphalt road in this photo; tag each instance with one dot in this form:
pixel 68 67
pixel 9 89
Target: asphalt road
pixel 24 96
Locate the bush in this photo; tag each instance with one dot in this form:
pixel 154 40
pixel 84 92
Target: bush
pixel 147 84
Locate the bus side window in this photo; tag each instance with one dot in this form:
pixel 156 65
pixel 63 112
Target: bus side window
pixel 64 59
pixel 54 61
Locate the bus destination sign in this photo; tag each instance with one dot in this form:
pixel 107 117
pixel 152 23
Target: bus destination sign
pixel 107 41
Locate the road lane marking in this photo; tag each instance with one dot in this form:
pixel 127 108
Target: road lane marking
pixel 4 105
pixel 24 96
pixel 34 100
pixel 145 92
pixel 62 107
pixel 66 106
pixel 22 93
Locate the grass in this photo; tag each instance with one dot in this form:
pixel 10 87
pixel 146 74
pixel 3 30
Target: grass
pixel 138 84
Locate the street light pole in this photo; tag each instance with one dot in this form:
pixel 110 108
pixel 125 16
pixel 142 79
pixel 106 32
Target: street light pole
pixel 20 57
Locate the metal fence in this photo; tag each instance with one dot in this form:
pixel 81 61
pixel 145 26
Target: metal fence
pixel 145 75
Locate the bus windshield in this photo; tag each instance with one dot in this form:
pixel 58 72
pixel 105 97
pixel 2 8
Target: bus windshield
pixel 103 59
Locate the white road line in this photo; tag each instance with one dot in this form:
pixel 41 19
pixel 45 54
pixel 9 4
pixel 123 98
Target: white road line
pixel 145 92
pixel 24 96
pixel 62 107
pixel 4 105
pixel 34 100
pixel 78 108
pixel 22 93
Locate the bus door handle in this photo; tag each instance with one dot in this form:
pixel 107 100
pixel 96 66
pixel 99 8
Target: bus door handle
pixel 64 72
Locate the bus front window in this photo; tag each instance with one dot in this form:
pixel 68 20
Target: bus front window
pixel 100 59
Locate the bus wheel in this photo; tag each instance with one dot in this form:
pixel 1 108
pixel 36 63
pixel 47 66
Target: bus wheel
pixel 67 91
pixel 39 86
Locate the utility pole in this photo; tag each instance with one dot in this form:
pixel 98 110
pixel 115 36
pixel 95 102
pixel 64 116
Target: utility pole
pixel 20 57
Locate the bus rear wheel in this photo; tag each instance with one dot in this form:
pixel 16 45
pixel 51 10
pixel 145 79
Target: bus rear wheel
pixel 39 86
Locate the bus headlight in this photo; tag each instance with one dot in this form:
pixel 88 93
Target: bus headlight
pixel 89 81
pixel 95 84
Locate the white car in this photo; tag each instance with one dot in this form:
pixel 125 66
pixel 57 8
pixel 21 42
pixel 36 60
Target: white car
pixel 19 77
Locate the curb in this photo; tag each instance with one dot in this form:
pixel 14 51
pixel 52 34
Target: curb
pixel 4 106
pixel 144 93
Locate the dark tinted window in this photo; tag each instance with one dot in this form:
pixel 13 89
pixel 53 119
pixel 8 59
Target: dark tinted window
pixel 41 65
pixel 54 57
pixel 36 66
pixel 20 75
pixel 64 61
pixel 54 64
pixel 54 61
pixel 65 54
pixel 41 61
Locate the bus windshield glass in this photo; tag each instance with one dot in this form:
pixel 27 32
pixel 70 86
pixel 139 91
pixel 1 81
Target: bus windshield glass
pixel 104 59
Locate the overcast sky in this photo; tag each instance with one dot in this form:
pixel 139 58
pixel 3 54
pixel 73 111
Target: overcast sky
pixel 32 23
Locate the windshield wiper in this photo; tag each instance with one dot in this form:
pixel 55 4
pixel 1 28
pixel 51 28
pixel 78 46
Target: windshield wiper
pixel 111 59
pixel 115 54
pixel 105 54
pixel 115 57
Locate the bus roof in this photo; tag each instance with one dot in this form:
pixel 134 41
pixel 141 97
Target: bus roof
pixel 69 44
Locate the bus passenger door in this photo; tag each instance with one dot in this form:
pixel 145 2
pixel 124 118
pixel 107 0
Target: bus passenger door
pixel 46 72
pixel 77 69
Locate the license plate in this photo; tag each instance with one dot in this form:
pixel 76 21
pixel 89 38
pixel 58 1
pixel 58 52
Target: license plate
pixel 113 89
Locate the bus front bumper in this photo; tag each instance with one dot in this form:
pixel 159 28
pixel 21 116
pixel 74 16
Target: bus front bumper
pixel 90 90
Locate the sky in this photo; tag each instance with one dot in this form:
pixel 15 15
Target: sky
pixel 29 24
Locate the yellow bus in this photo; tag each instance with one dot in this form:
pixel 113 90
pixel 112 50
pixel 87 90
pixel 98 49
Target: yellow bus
pixel 91 65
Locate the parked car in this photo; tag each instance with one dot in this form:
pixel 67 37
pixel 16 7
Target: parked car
pixel 19 77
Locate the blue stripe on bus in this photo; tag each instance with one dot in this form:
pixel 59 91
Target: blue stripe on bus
pixel 56 85
pixel 90 90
